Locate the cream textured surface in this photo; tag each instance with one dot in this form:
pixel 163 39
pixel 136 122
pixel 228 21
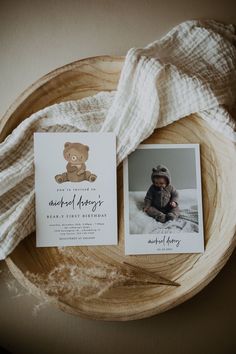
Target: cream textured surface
pixel 37 37
pixel 191 69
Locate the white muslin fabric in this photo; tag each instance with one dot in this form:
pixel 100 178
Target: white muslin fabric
pixel 192 69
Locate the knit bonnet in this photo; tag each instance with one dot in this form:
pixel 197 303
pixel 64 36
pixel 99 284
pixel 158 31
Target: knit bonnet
pixel 161 171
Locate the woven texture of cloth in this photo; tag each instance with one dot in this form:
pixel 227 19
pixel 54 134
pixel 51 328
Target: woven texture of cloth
pixel 192 69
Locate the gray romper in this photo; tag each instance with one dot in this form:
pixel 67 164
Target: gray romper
pixel 158 199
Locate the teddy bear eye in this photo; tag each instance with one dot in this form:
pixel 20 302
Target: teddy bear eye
pixel 163 169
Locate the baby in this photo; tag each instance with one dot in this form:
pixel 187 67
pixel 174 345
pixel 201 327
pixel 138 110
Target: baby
pixel 161 200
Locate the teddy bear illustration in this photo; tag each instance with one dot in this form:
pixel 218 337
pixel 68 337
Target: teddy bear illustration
pixel 76 154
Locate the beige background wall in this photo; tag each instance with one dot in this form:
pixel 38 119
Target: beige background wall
pixel 35 38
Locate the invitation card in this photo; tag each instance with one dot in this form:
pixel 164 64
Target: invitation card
pixel 75 189
pixel 163 199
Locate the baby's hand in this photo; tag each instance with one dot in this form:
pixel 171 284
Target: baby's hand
pixel 173 204
pixel 145 209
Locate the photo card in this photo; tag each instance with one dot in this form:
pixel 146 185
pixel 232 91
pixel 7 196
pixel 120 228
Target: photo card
pixel 163 200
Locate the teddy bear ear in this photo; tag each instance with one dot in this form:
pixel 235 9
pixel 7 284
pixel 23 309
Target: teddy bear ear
pixel 154 170
pixel 67 144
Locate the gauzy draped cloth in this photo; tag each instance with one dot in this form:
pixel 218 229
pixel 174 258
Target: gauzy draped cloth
pixel 192 69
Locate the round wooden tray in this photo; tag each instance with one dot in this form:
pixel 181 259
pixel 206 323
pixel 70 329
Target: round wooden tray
pixel 193 271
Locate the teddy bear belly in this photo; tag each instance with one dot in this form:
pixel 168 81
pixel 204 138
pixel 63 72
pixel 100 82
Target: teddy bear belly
pixel 73 177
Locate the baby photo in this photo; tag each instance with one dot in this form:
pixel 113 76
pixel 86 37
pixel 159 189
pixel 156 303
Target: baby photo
pixel 162 198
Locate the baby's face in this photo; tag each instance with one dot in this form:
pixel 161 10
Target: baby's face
pixel 160 182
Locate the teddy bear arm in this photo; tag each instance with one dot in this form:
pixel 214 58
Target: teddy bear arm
pixel 81 169
pixel 71 168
